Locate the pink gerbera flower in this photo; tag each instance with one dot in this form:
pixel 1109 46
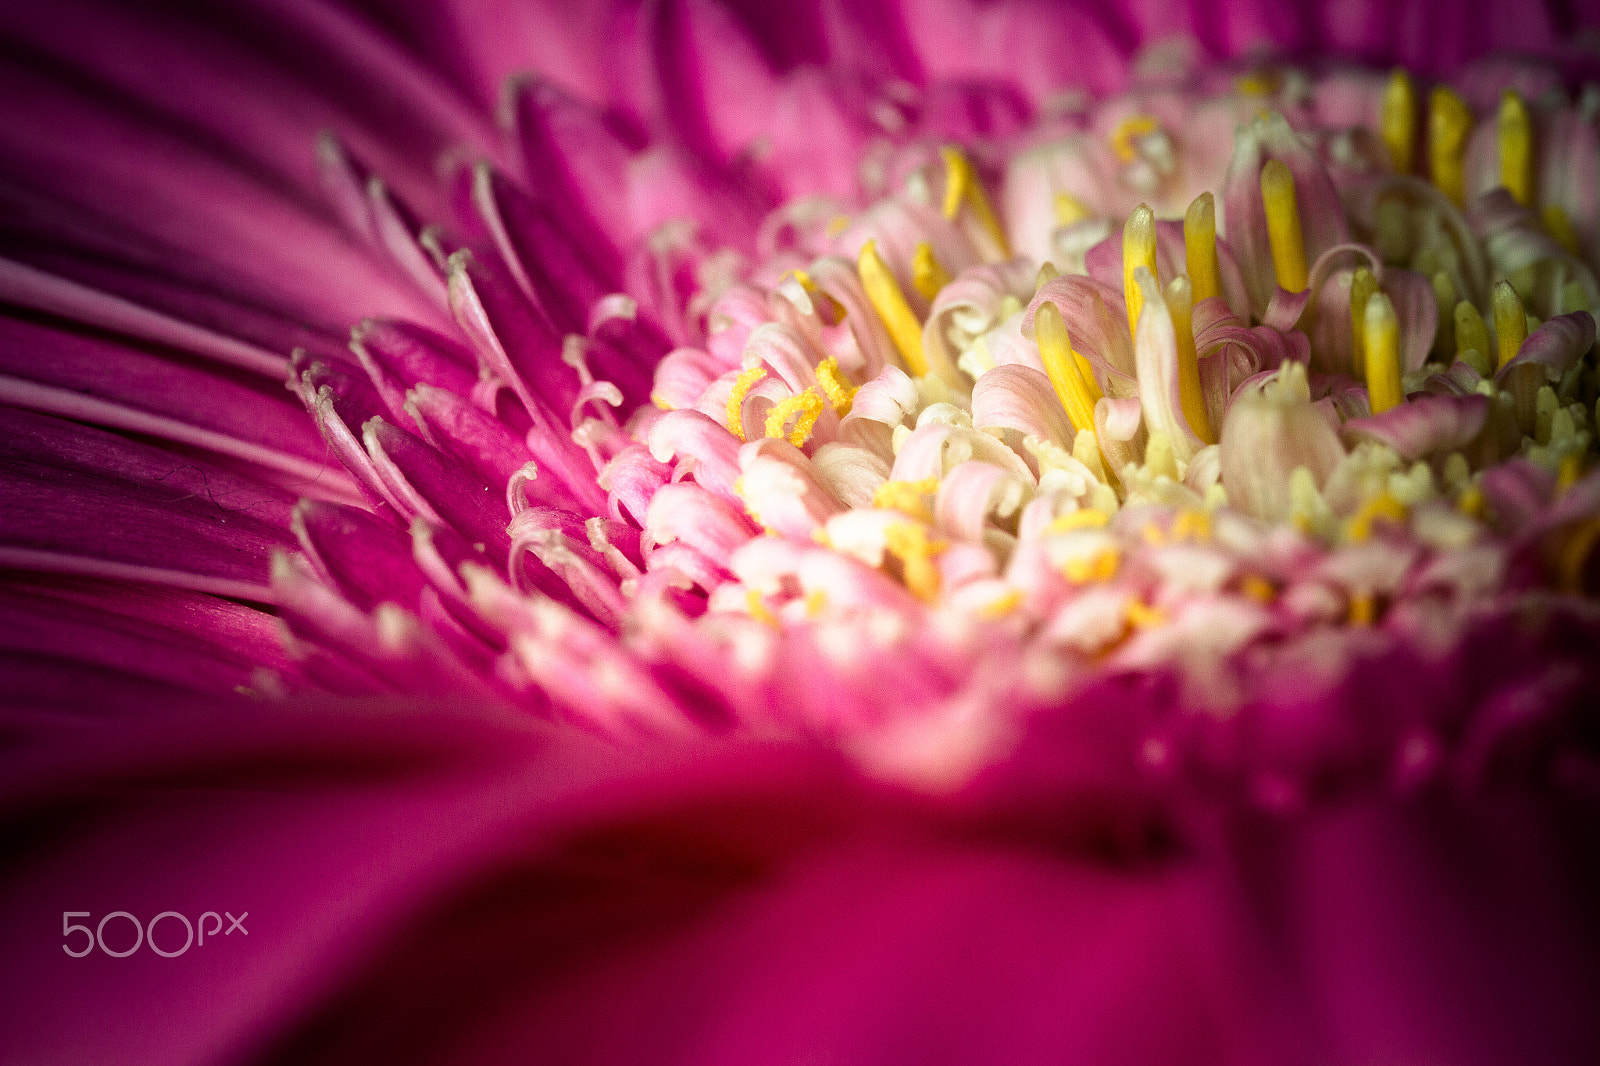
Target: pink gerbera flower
pixel 1004 533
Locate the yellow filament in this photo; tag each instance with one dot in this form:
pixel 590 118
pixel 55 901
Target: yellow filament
pixel 1083 518
pixel 890 303
pixel 1383 354
pixel 1510 322
pixel 1283 226
pixel 839 392
pixel 1398 124
pixel 1449 122
pixel 1200 247
pixel 1471 334
pixel 907 497
pixel 961 183
pixel 1125 137
pixel 1515 130
pixel 1362 287
pixel 1180 304
pixel 926 272
pixel 1138 250
pixel 1070 209
pixel 741 388
pixel 1560 227
pixel 1055 351
pixel 909 543
pixel 805 408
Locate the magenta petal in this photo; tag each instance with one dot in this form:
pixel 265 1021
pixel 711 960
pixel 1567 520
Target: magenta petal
pixel 1556 346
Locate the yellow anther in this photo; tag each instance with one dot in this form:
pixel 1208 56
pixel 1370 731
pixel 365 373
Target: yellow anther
pixel 1449 123
pixel 1047 273
pixel 1258 588
pixel 741 388
pixel 1515 130
pixel 1363 608
pixel 1138 250
pixel 1191 525
pixel 908 542
pixel 837 225
pixel 961 183
pixel 1141 615
pixel 1200 247
pixel 1510 322
pixel 661 401
pixel 1001 605
pixel 1101 566
pixel 1283 226
pixel 890 303
pixel 1153 534
pixel 1070 209
pixel 816 602
pixel 1383 355
pixel 757 606
pixel 1471 502
pixel 1083 518
pixel 1580 544
pixel 1180 305
pixel 1471 334
pixel 1384 506
pixel 1556 221
pixel 1055 351
pixel 1263 82
pixel 839 391
pixel 827 308
pixel 907 497
pixel 1127 134
pixel 1572 468
pixel 1362 287
pixel 1398 124
pixel 926 272
pixel 805 408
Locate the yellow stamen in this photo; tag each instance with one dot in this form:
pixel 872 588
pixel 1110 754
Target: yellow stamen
pixel 908 542
pixel 961 183
pixel 741 388
pixel 1200 247
pixel 1510 322
pixel 1471 334
pixel 1070 209
pixel 1383 354
pixel 926 272
pixel 661 401
pixel 758 608
pixel 805 408
pixel 1191 525
pixel 1083 518
pixel 1141 615
pixel 1383 505
pixel 1572 468
pixel 1449 122
pixel 827 308
pixel 816 602
pixel 907 497
pixel 1101 566
pixel 837 225
pixel 1363 609
pixel 1001 605
pixel 1262 82
pixel 1472 503
pixel 1515 129
pixel 1055 351
pixel 1180 305
pixel 839 391
pixel 1398 124
pixel 1258 588
pixel 1560 227
pixel 1283 226
pixel 1138 250
pixel 890 303
pixel 1047 273
pixel 1362 287
pixel 1127 134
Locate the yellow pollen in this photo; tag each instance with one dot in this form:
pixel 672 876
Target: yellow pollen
pixel 1572 466
pixel 1515 131
pixel 839 391
pixel 826 307
pixel 660 401
pixel 926 273
pixel 1258 588
pixel 1471 334
pixel 741 388
pixel 1069 209
pixel 1449 122
pixel 1125 137
pixel 890 303
pixel 1141 615
pixel 1510 322
pixel 1001 605
pixel 837 225
pixel 961 183
pixel 1084 518
pixel 1362 287
pixel 1262 82
pixel 907 497
pixel 1101 566
pixel 1471 502
pixel 1055 351
pixel 1283 226
pixel 1138 250
pixel 908 542
pixel 805 408
pixel 1200 247
pixel 758 608
pixel 816 602
pixel 1575 554
pixel 1556 221
pixel 1398 124
pixel 1180 305
pixel 1383 355
pixel 1363 609
pixel 1191 525
pixel 1384 506
pixel 1153 535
